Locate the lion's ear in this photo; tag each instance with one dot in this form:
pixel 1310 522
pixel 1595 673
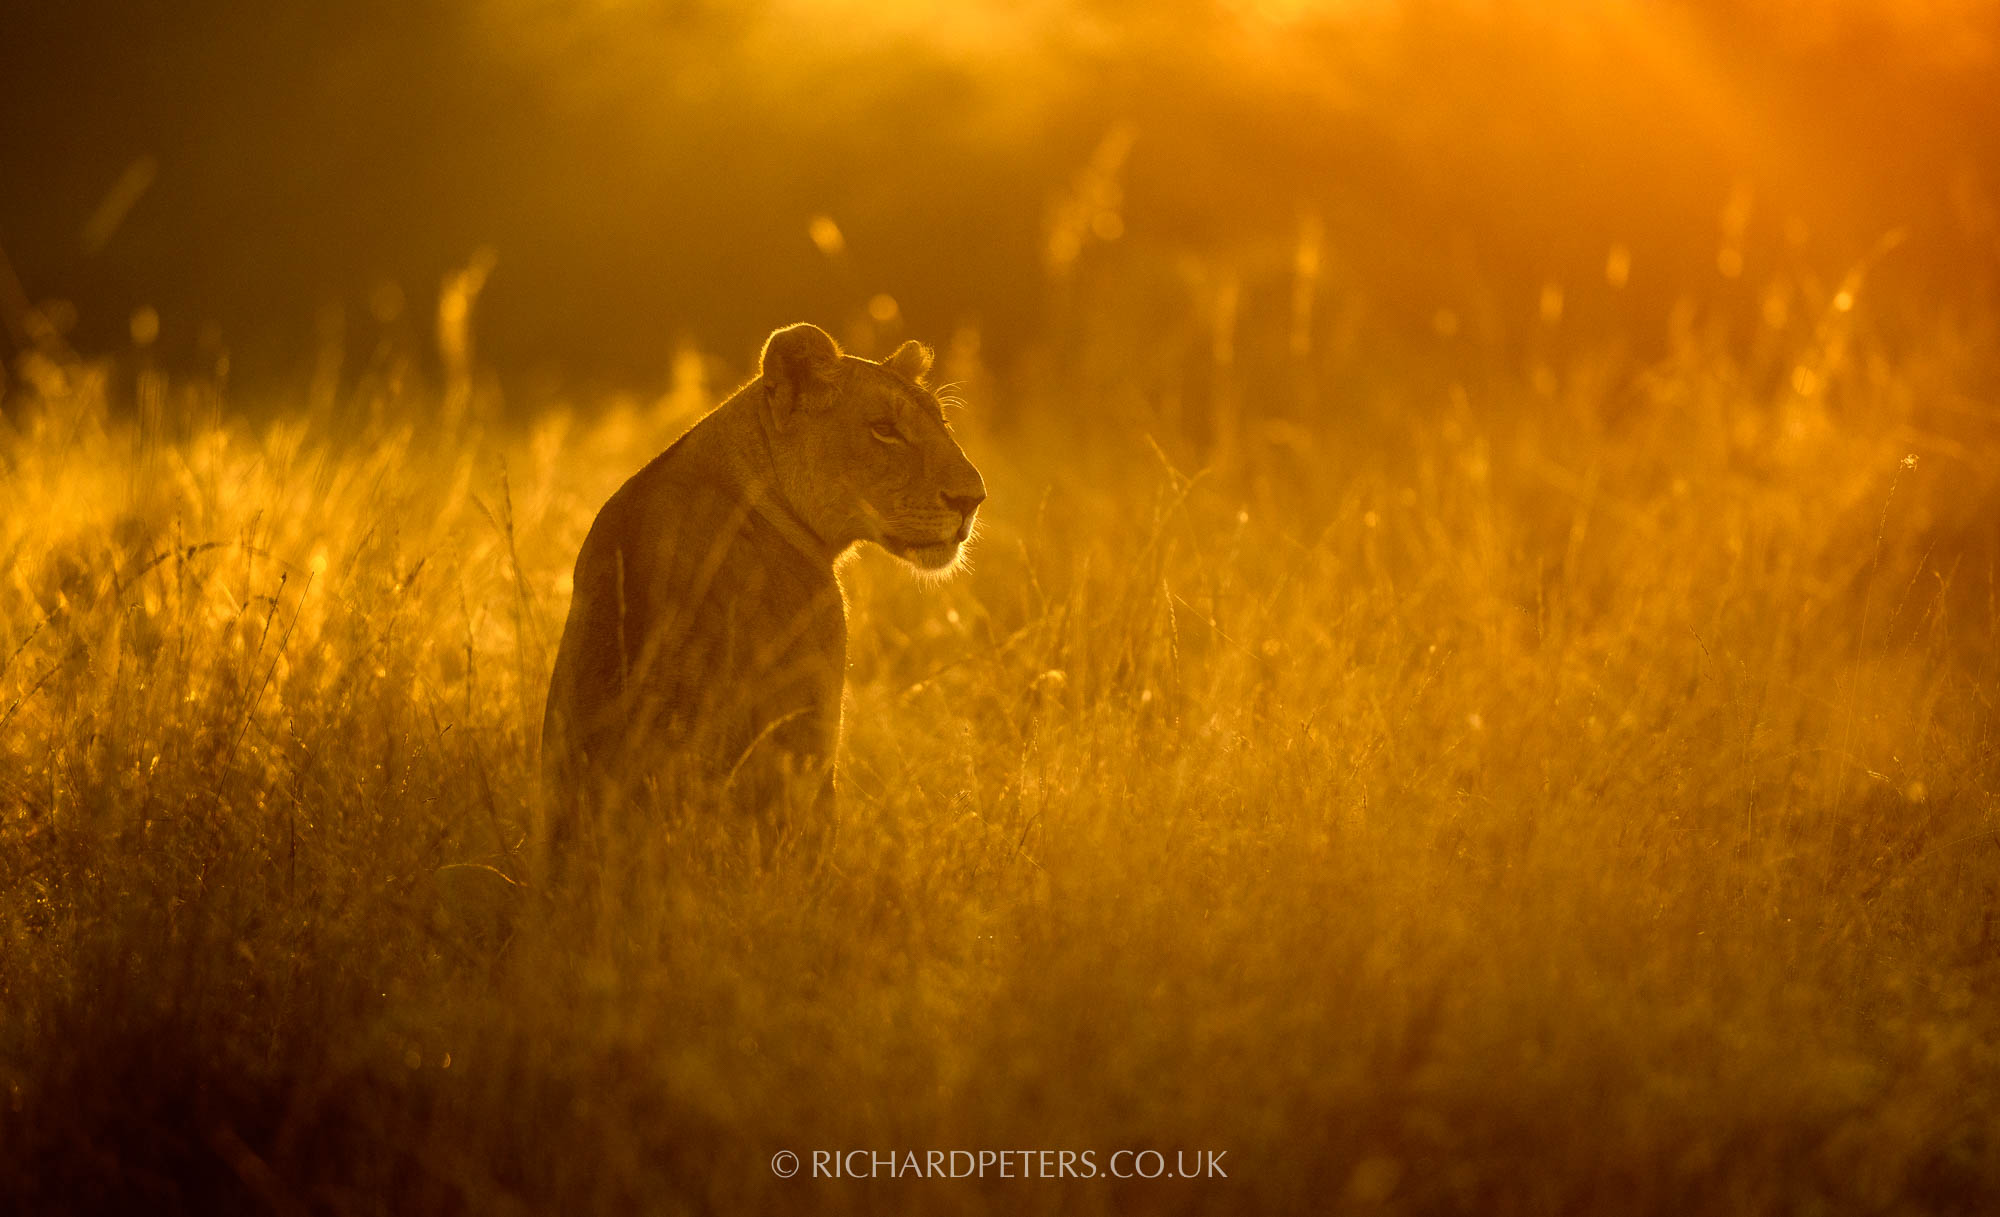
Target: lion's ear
pixel 912 361
pixel 797 360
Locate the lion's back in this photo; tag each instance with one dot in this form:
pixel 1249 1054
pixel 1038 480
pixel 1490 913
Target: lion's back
pixel 693 626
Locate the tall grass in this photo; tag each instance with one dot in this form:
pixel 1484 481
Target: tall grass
pixel 1561 789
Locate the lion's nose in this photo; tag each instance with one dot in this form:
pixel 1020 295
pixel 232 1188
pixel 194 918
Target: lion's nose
pixel 963 504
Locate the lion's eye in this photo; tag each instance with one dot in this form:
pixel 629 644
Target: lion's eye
pixel 886 432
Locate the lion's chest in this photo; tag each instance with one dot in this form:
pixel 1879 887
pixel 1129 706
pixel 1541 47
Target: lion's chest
pixel 735 635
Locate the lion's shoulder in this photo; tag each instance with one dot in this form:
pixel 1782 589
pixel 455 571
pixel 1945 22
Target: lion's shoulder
pixel 685 542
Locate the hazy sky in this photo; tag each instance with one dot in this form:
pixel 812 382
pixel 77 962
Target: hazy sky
pixel 647 173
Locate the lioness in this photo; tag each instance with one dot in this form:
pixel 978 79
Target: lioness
pixel 707 640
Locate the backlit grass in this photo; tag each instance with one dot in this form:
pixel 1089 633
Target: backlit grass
pixel 1568 789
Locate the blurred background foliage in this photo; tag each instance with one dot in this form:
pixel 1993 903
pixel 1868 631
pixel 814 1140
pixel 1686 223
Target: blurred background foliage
pixel 649 175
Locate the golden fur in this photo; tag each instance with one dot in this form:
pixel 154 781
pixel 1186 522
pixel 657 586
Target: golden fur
pixel 707 638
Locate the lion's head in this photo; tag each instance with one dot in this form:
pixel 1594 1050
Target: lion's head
pixel 862 450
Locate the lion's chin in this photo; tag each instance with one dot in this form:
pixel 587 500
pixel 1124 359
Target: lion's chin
pixel 936 558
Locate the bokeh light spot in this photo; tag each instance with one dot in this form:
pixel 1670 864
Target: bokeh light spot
pixel 826 235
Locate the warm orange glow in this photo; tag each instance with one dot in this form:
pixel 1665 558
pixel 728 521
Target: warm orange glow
pixel 1471 688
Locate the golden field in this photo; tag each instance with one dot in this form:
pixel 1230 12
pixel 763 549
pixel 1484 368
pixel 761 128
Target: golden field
pixel 1521 745
pixel 1500 816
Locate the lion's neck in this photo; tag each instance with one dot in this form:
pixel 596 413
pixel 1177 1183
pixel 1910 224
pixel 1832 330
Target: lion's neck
pixel 744 445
